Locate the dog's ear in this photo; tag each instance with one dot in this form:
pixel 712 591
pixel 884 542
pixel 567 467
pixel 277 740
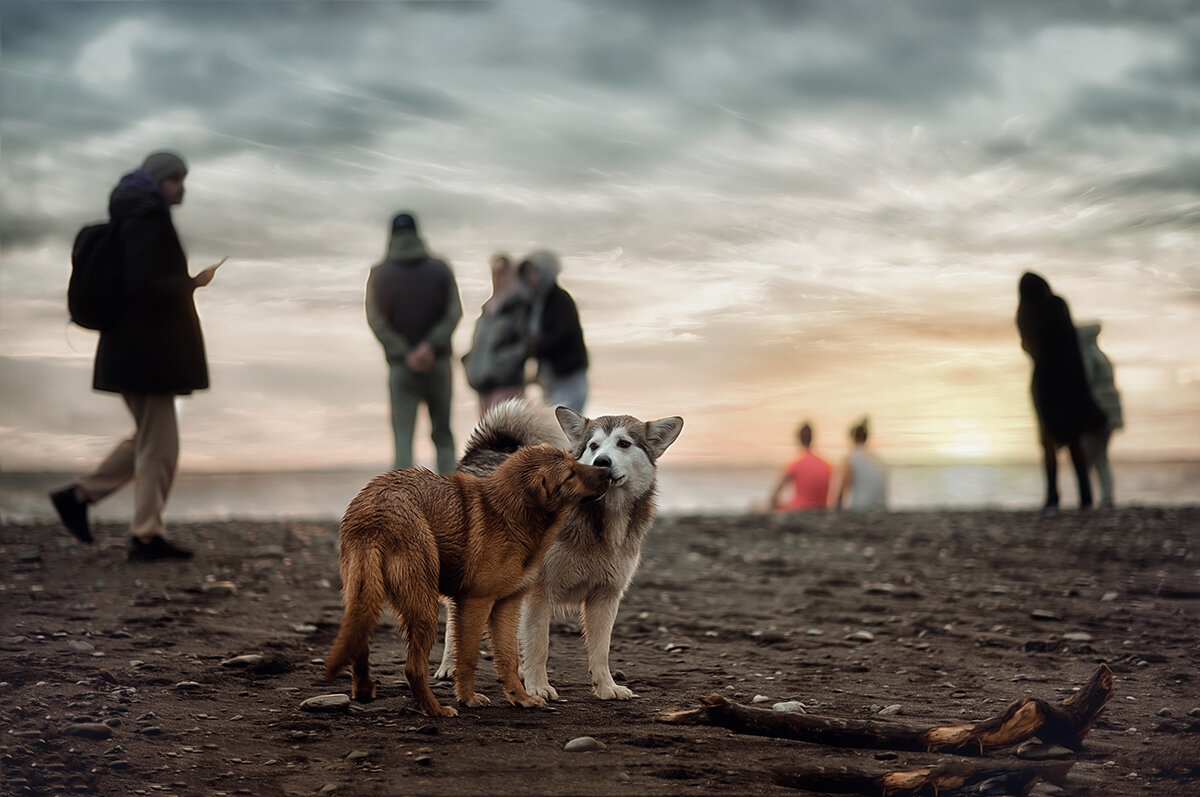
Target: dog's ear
pixel 573 425
pixel 662 433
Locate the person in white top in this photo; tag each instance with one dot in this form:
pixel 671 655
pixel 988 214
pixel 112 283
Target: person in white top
pixel 864 476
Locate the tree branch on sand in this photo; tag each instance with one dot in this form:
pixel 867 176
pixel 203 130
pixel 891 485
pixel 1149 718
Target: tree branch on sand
pixel 943 780
pixel 1063 724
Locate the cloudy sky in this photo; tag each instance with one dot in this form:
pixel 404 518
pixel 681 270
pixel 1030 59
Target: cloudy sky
pixel 767 211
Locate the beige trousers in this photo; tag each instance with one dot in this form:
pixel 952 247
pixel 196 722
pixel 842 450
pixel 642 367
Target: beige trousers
pixel 150 456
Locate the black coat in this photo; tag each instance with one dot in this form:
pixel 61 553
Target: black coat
pixel 1061 396
pixel 156 346
pixel 560 338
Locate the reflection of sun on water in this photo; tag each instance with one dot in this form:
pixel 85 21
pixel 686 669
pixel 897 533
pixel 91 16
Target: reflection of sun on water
pixel 968 445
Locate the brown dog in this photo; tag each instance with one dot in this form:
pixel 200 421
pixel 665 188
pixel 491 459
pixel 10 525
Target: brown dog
pixel 411 535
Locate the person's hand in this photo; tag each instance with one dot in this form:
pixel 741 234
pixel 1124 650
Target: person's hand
pixel 206 276
pixel 420 359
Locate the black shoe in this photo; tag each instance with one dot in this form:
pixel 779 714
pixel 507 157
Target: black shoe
pixel 158 548
pixel 72 512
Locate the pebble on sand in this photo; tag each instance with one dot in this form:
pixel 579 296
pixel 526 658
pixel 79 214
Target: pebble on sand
pixel 248 660
pixel 583 744
pixel 89 730
pixel 1035 751
pixel 327 703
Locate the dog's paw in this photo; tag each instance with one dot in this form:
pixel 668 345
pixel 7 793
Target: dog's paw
pixel 476 701
pixel 544 691
pixel 444 672
pixel 529 701
pixel 612 692
pixel 438 710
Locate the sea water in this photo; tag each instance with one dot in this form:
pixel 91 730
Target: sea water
pixel 683 489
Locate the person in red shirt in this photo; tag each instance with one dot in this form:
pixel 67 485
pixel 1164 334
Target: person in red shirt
pixel 809 477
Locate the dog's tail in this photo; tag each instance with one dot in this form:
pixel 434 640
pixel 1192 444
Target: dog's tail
pixel 364 595
pixel 505 428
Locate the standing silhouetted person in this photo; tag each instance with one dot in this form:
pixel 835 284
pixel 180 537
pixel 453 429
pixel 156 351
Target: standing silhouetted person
pixel 808 476
pixel 413 307
pixel 556 336
pixel 1099 372
pixel 1061 396
pixel 152 352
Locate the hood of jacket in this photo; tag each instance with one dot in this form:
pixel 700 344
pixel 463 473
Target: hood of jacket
pixel 406 246
pixel 137 194
pixel 546 262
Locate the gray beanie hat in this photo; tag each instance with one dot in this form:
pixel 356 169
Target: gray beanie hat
pixel 163 164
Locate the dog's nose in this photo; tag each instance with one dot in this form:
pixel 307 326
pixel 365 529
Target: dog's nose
pixel 603 462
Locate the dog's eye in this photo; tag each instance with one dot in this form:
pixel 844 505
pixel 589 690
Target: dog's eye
pixel 593 446
pixel 624 444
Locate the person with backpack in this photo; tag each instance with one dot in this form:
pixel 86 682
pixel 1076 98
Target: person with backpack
pixel 151 349
pixel 413 307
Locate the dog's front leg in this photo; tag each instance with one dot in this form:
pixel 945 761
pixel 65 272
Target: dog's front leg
pixel 535 645
pixel 503 627
pixel 468 616
pixel 599 614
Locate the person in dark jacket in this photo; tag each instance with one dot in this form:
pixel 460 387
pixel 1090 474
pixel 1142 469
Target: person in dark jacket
pixel 495 365
pixel 151 354
pixel 556 336
pixel 413 307
pixel 1062 398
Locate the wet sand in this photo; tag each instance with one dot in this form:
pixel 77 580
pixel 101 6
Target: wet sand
pixel 949 616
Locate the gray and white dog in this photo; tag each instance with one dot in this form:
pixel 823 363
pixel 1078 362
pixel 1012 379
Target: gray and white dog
pixel 594 559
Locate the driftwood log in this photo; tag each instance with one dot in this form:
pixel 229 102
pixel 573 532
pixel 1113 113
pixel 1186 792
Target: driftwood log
pixel 1065 724
pixel 942 780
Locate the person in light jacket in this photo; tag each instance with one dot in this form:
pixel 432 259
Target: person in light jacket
pixel 495 365
pixel 1100 378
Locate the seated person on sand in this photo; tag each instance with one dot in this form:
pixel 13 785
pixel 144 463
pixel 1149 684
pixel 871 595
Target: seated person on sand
pixel 864 477
pixel 808 476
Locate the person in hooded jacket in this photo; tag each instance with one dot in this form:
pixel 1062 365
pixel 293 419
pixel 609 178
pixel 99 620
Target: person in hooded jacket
pixel 495 365
pixel 1099 372
pixel 151 354
pixel 1062 399
pixel 556 336
pixel 413 307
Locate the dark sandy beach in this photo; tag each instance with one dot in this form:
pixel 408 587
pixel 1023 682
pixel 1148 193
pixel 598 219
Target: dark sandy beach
pixel 928 617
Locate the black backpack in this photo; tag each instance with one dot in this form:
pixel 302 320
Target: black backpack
pixel 96 290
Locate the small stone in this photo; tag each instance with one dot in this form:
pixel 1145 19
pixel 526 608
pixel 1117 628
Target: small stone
pixel 814 632
pixel 888 711
pixel 886 756
pixel 328 788
pixel 327 703
pixel 187 686
pixel 583 744
pixel 150 730
pixel 305 629
pixel 1077 636
pixel 1164 712
pixel 1034 751
pixel 222 588
pixel 357 755
pixel 794 706
pixel 89 730
pixel 761 699
pixel 1042 614
pixel 423 760
pixel 861 636
pixel 79 644
pixel 248 660
pixel 1110 596
pixel 1194 712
